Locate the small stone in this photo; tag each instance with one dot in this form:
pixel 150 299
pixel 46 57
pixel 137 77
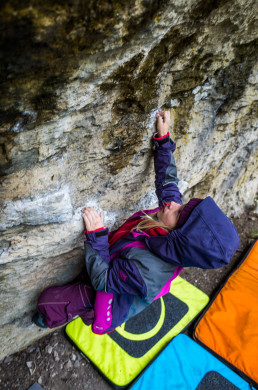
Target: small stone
pixel 53 374
pixel 31 366
pixel 68 365
pixel 56 356
pixel 9 359
pixel 77 364
pixel 30 349
pixel 38 353
pixel 49 349
pixel 40 380
pixel 73 357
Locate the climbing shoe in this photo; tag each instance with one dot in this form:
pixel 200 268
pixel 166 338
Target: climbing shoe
pixel 38 320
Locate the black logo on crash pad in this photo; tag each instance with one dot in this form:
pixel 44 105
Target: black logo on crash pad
pixel 144 330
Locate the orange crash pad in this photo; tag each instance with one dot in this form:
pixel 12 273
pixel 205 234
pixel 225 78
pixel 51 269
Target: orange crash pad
pixel 229 326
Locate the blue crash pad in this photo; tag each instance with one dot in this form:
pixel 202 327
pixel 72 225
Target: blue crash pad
pixel 185 365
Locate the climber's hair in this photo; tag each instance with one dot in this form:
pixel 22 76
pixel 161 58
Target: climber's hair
pixel 150 221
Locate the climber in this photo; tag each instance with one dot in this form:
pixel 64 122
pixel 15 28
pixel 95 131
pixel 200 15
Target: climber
pixel 129 268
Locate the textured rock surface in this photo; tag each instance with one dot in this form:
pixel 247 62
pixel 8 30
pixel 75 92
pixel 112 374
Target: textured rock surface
pixel 80 84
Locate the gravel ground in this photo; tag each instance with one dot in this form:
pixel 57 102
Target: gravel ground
pixel 55 364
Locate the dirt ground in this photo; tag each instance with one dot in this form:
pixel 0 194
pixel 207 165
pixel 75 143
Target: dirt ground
pixel 55 364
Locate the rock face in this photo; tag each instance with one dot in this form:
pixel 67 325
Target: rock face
pixel 80 84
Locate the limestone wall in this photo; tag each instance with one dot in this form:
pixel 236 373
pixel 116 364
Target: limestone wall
pixel 80 84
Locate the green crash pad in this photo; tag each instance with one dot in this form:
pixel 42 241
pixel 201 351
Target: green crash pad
pixel 122 354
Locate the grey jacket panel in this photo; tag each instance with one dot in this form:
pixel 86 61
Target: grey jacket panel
pixel 171 172
pixel 96 268
pixel 154 271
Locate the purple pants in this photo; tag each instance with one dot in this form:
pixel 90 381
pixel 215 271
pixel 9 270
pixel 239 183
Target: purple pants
pixel 60 304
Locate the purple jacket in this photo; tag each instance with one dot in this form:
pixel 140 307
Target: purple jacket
pixel 142 265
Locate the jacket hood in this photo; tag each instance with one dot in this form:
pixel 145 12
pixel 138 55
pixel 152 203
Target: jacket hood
pixel 208 239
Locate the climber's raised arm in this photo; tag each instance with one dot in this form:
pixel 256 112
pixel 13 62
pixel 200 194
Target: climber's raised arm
pixel 164 163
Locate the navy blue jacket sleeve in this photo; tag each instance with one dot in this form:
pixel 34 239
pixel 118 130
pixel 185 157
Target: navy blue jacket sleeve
pixel 99 242
pixel 166 172
pixel 97 258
